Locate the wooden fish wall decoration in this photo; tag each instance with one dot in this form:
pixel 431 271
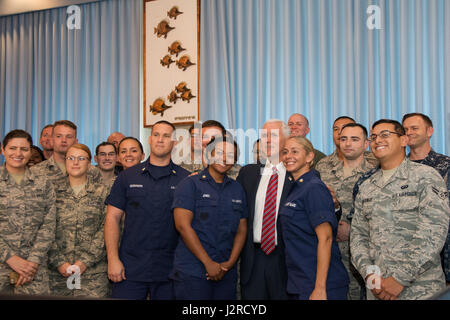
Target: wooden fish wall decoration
pixel 185 94
pixel 163 29
pixel 184 62
pixel 166 61
pixel 173 97
pixel 174 12
pixel 159 106
pixel 175 48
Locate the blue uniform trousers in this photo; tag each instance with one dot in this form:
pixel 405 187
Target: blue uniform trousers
pixel 193 288
pixel 140 290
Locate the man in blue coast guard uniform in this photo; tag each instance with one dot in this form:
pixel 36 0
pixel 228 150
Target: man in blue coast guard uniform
pixel 140 268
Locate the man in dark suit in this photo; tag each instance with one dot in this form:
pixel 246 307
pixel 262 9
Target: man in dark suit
pixel 263 268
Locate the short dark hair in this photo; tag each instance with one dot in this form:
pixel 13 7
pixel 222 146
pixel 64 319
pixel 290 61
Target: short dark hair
pixel 344 117
pixel 66 123
pixel 192 128
pixel 39 151
pixel 105 143
pixel 423 116
pixel 17 133
pixel 131 138
pixel 352 125
pixel 397 125
pixel 47 126
pixel 165 122
pixel 213 123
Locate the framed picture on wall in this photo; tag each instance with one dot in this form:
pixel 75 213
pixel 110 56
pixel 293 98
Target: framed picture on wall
pixel 171 61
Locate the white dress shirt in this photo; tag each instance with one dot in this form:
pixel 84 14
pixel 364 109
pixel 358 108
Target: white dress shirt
pixel 261 198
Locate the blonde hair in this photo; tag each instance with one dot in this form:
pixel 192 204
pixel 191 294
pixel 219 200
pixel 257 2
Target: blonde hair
pixel 306 144
pixel 83 147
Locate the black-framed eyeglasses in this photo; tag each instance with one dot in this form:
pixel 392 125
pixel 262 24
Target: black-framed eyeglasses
pixel 383 135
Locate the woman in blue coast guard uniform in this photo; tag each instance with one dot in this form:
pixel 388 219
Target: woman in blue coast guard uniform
pixel 210 213
pixel 309 227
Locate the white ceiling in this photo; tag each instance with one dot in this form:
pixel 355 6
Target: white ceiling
pixel 8 7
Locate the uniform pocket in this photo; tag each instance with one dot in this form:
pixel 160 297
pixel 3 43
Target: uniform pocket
pixel 287 221
pixel 3 209
pixel 236 215
pixel 135 192
pixel 135 197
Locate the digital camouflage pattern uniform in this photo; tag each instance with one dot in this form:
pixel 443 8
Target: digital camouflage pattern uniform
pixel 193 167
pixel 331 161
pixel 400 226
pixel 441 163
pixel 50 169
pixel 318 155
pixel 343 188
pixel 27 227
pixel 80 223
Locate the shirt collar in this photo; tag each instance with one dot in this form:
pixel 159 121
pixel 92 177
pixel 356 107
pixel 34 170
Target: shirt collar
pixel 268 168
pixel 363 167
pixel 401 173
pixel 147 168
pixel 206 176
pixel 306 177
pixel 4 175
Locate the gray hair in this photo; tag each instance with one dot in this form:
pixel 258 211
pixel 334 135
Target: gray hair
pixel 284 127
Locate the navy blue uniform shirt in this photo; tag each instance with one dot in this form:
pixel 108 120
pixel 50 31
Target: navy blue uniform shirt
pixel 308 205
pixel 145 193
pixel 218 209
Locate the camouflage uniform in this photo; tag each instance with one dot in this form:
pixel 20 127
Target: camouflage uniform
pixel 331 161
pixel 400 226
pixel 50 169
pixel 343 188
pixel 318 155
pixel 80 236
pixel 27 227
pixel 193 167
pixel 441 163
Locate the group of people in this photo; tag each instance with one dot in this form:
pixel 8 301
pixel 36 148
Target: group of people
pixel 296 224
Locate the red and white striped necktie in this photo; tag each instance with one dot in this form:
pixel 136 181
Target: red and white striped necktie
pixel 270 208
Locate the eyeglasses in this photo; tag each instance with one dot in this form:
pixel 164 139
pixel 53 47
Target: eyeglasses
pixel 383 135
pixel 77 158
pixel 104 154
